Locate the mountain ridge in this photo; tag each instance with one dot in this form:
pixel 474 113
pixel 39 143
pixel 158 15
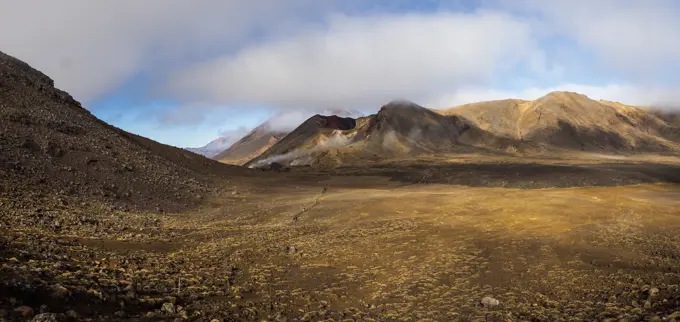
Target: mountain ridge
pixel 265 135
pixel 559 121
pixel 572 120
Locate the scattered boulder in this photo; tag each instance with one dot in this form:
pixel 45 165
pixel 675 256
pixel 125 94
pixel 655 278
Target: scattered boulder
pixel 489 302
pixel 653 292
pixel 168 308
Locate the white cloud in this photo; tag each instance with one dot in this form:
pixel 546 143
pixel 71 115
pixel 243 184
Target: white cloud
pixel 365 61
pixel 467 95
pixel 91 47
pixel 361 61
pixel 633 36
pixel 288 121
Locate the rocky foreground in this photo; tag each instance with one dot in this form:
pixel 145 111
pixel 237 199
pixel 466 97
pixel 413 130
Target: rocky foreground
pixel 289 248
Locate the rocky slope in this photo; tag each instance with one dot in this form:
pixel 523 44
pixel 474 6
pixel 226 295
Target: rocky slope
pixel 51 145
pixel 72 186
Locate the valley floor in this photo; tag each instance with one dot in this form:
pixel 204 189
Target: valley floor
pixel 550 240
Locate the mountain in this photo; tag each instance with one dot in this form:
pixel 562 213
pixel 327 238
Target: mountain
pixel 559 121
pixel 399 128
pixel 405 127
pixel 253 144
pixel 574 121
pixel 314 133
pixel 50 146
pixel 269 133
pixel 215 146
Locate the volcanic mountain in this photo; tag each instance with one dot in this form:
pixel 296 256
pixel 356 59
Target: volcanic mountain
pixel 398 128
pixel 574 121
pixel 312 134
pixel 250 146
pixel 559 121
pixel 269 133
pixel 51 146
pixel 405 127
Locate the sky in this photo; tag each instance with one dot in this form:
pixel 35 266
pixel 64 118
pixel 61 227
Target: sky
pixel 185 72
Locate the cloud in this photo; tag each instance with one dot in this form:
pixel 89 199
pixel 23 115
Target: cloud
pixel 92 47
pixel 226 138
pixel 222 142
pixel 288 121
pixel 180 116
pixel 363 61
pixel 635 37
pixel 303 56
pixel 236 134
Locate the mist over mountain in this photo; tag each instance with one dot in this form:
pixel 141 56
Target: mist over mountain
pixel 269 133
pixel 221 143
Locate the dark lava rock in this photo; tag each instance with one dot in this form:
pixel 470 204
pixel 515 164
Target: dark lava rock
pixel 23 312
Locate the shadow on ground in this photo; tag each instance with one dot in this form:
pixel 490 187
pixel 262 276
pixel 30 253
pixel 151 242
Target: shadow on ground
pixel 524 175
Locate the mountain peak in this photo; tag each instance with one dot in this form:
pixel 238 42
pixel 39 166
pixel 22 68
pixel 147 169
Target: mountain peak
pixel 401 103
pixel 561 95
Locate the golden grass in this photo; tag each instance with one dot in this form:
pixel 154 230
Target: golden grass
pixel 433 251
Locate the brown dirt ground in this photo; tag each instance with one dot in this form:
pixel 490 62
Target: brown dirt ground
pixel 362 244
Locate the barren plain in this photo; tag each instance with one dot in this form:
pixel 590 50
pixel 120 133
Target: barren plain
pixel 549 239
